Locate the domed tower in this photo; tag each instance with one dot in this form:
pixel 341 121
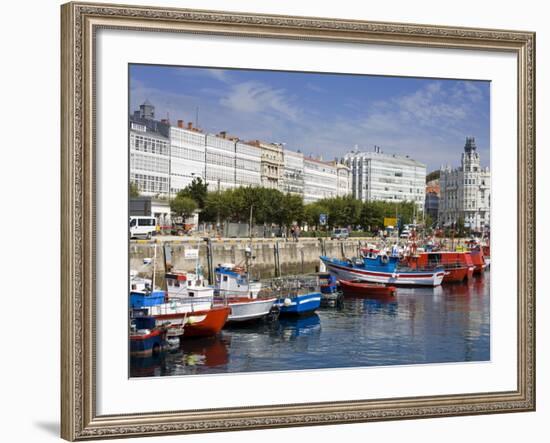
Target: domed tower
pixel 470 157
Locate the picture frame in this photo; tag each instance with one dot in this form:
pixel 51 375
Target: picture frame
pixel 80 24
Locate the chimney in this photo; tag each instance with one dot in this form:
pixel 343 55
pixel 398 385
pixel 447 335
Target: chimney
pixel 180 124
pixel 189 125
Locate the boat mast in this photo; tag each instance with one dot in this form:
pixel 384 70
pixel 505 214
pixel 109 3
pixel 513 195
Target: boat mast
pixel 154 267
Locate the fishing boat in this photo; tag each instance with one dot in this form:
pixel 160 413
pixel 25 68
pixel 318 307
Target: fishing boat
pixel 385 269
pixel 187 310
pixel 146 337
pixel 363 289
pixel 458 266
pixel 235 290
pixel 296 295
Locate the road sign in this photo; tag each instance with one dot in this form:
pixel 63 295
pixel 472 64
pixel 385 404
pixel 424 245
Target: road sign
pixel 323 219
pixel 390 221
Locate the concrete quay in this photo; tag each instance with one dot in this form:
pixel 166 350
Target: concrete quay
pixel 270 257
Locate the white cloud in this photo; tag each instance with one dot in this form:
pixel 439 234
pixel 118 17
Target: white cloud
pixel 219 74
pixel 255 97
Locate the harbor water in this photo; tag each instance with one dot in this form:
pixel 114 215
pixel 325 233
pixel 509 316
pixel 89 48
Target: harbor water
pixel 448 323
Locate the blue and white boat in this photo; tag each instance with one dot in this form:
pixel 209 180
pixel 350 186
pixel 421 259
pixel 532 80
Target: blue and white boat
pixel 296 296
pixel 383 269
pixel 302 304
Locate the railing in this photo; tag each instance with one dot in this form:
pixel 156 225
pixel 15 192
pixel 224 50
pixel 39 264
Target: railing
pixel 185 304
pixel 290 286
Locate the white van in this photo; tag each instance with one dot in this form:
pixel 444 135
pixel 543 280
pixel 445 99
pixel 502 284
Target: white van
pixel 141 226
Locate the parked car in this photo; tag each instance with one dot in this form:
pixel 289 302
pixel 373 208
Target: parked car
pixel 405 234
pixel 339 234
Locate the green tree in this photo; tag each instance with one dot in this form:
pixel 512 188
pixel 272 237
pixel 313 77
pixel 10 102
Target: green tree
pixel 291 210
pixel 197 190
pixel 217 204
pixel 434 175
pixel 312 211
pixel 133 190
pixel 183 207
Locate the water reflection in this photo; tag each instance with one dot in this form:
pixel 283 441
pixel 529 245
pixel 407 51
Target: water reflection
pixel 291 328
pixel 450 323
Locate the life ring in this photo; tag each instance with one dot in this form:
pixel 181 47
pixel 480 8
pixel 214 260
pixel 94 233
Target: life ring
pixel 384 259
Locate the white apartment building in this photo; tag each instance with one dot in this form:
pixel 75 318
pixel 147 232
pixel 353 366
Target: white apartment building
pixel 388 177
pixel 293 173
pixel 343 180
pixel 320 180
pixel 466 191
pixel 220 162
pixel 187 156
pixel 149 160
pixel 248 161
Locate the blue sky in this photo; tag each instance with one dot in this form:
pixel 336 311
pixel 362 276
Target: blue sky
pixel 324 114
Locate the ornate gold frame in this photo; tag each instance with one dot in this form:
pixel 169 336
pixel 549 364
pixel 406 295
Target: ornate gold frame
pixel 79 23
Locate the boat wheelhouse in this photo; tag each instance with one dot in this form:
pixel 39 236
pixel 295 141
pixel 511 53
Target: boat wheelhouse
pixel 458 266
pixel 234 281
pixel 189 288
pixel 235 290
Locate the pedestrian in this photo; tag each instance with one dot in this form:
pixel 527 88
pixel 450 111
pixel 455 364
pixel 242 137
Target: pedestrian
pixel 297 233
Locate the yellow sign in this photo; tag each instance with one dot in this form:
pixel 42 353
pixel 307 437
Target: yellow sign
pixel 390 221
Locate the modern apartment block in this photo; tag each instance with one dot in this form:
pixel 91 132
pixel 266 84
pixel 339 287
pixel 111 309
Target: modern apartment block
pixel 343 180
pixel 389 177
pixel 320 180
pixel 466 191
pixel 247 165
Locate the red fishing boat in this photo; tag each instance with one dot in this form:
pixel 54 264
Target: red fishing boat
pixel 458 265
pixel 363 289
pixel 181 321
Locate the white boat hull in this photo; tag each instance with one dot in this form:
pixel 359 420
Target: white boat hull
pixel 250 310
pixel 405 278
